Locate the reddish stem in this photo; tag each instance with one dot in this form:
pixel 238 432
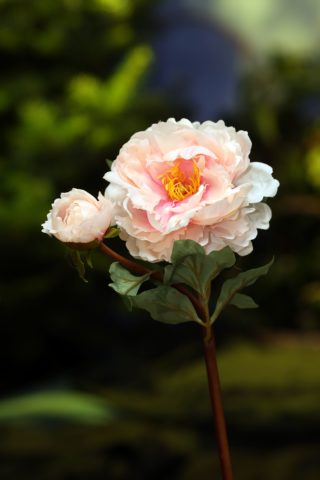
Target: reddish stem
pixel 129 264
pixel 216 403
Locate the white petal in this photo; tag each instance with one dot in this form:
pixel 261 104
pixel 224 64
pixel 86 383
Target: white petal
pixel 259 177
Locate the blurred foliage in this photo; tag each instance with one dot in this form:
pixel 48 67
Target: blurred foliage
pixel 284 100
pixel 275 383
pixel 57 405
pixel 76 82
pixel 268 389
pixel 268 25
pixel 73 71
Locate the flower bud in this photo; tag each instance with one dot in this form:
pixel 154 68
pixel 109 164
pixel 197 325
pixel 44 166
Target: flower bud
pixel 79 219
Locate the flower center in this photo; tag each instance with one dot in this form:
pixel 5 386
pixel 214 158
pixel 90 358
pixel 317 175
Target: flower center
pixel 180 181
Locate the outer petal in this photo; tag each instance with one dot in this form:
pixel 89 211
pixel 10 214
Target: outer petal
pixel 259 178
pixel 237 232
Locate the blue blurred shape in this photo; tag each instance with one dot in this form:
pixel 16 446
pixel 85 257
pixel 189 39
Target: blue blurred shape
pixel 195 60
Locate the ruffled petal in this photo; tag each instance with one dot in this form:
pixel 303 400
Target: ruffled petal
pixel 258 177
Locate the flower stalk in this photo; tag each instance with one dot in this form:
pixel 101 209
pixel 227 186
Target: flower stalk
pixel 209 350
pixel 209 355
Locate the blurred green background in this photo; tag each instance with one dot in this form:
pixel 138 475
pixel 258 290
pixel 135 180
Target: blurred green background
pixel 87 390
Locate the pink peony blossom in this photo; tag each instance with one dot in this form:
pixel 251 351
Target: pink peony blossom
pixel 78 217
pixel 182 180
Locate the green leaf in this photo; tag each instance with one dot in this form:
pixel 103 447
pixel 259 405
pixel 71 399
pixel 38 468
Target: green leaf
pixel 78 263
pixel 112 232
pixel 233 285
pixel 166 305
pixel 182 248
pixel 123 281
pixel 222 259
pixel 194 268
pixel 243 301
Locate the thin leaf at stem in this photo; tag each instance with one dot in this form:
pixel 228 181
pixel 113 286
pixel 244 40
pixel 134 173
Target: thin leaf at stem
pixel 233 285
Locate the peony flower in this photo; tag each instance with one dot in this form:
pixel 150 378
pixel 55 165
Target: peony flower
pixel 78 217
pixel 182 180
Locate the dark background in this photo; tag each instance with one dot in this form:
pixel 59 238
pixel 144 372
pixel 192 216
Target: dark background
pixel 89 391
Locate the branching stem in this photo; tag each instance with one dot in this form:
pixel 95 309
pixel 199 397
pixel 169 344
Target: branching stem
pixel 155 275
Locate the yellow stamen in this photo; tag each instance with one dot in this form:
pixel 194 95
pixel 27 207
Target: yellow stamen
pixel 176 183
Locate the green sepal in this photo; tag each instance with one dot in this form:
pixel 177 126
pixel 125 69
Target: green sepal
pixel 233 285
pixel 78 263
pixel 112 232
pixel 127 302
pixel 191 266
pixel 165 304
pixel 123 281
